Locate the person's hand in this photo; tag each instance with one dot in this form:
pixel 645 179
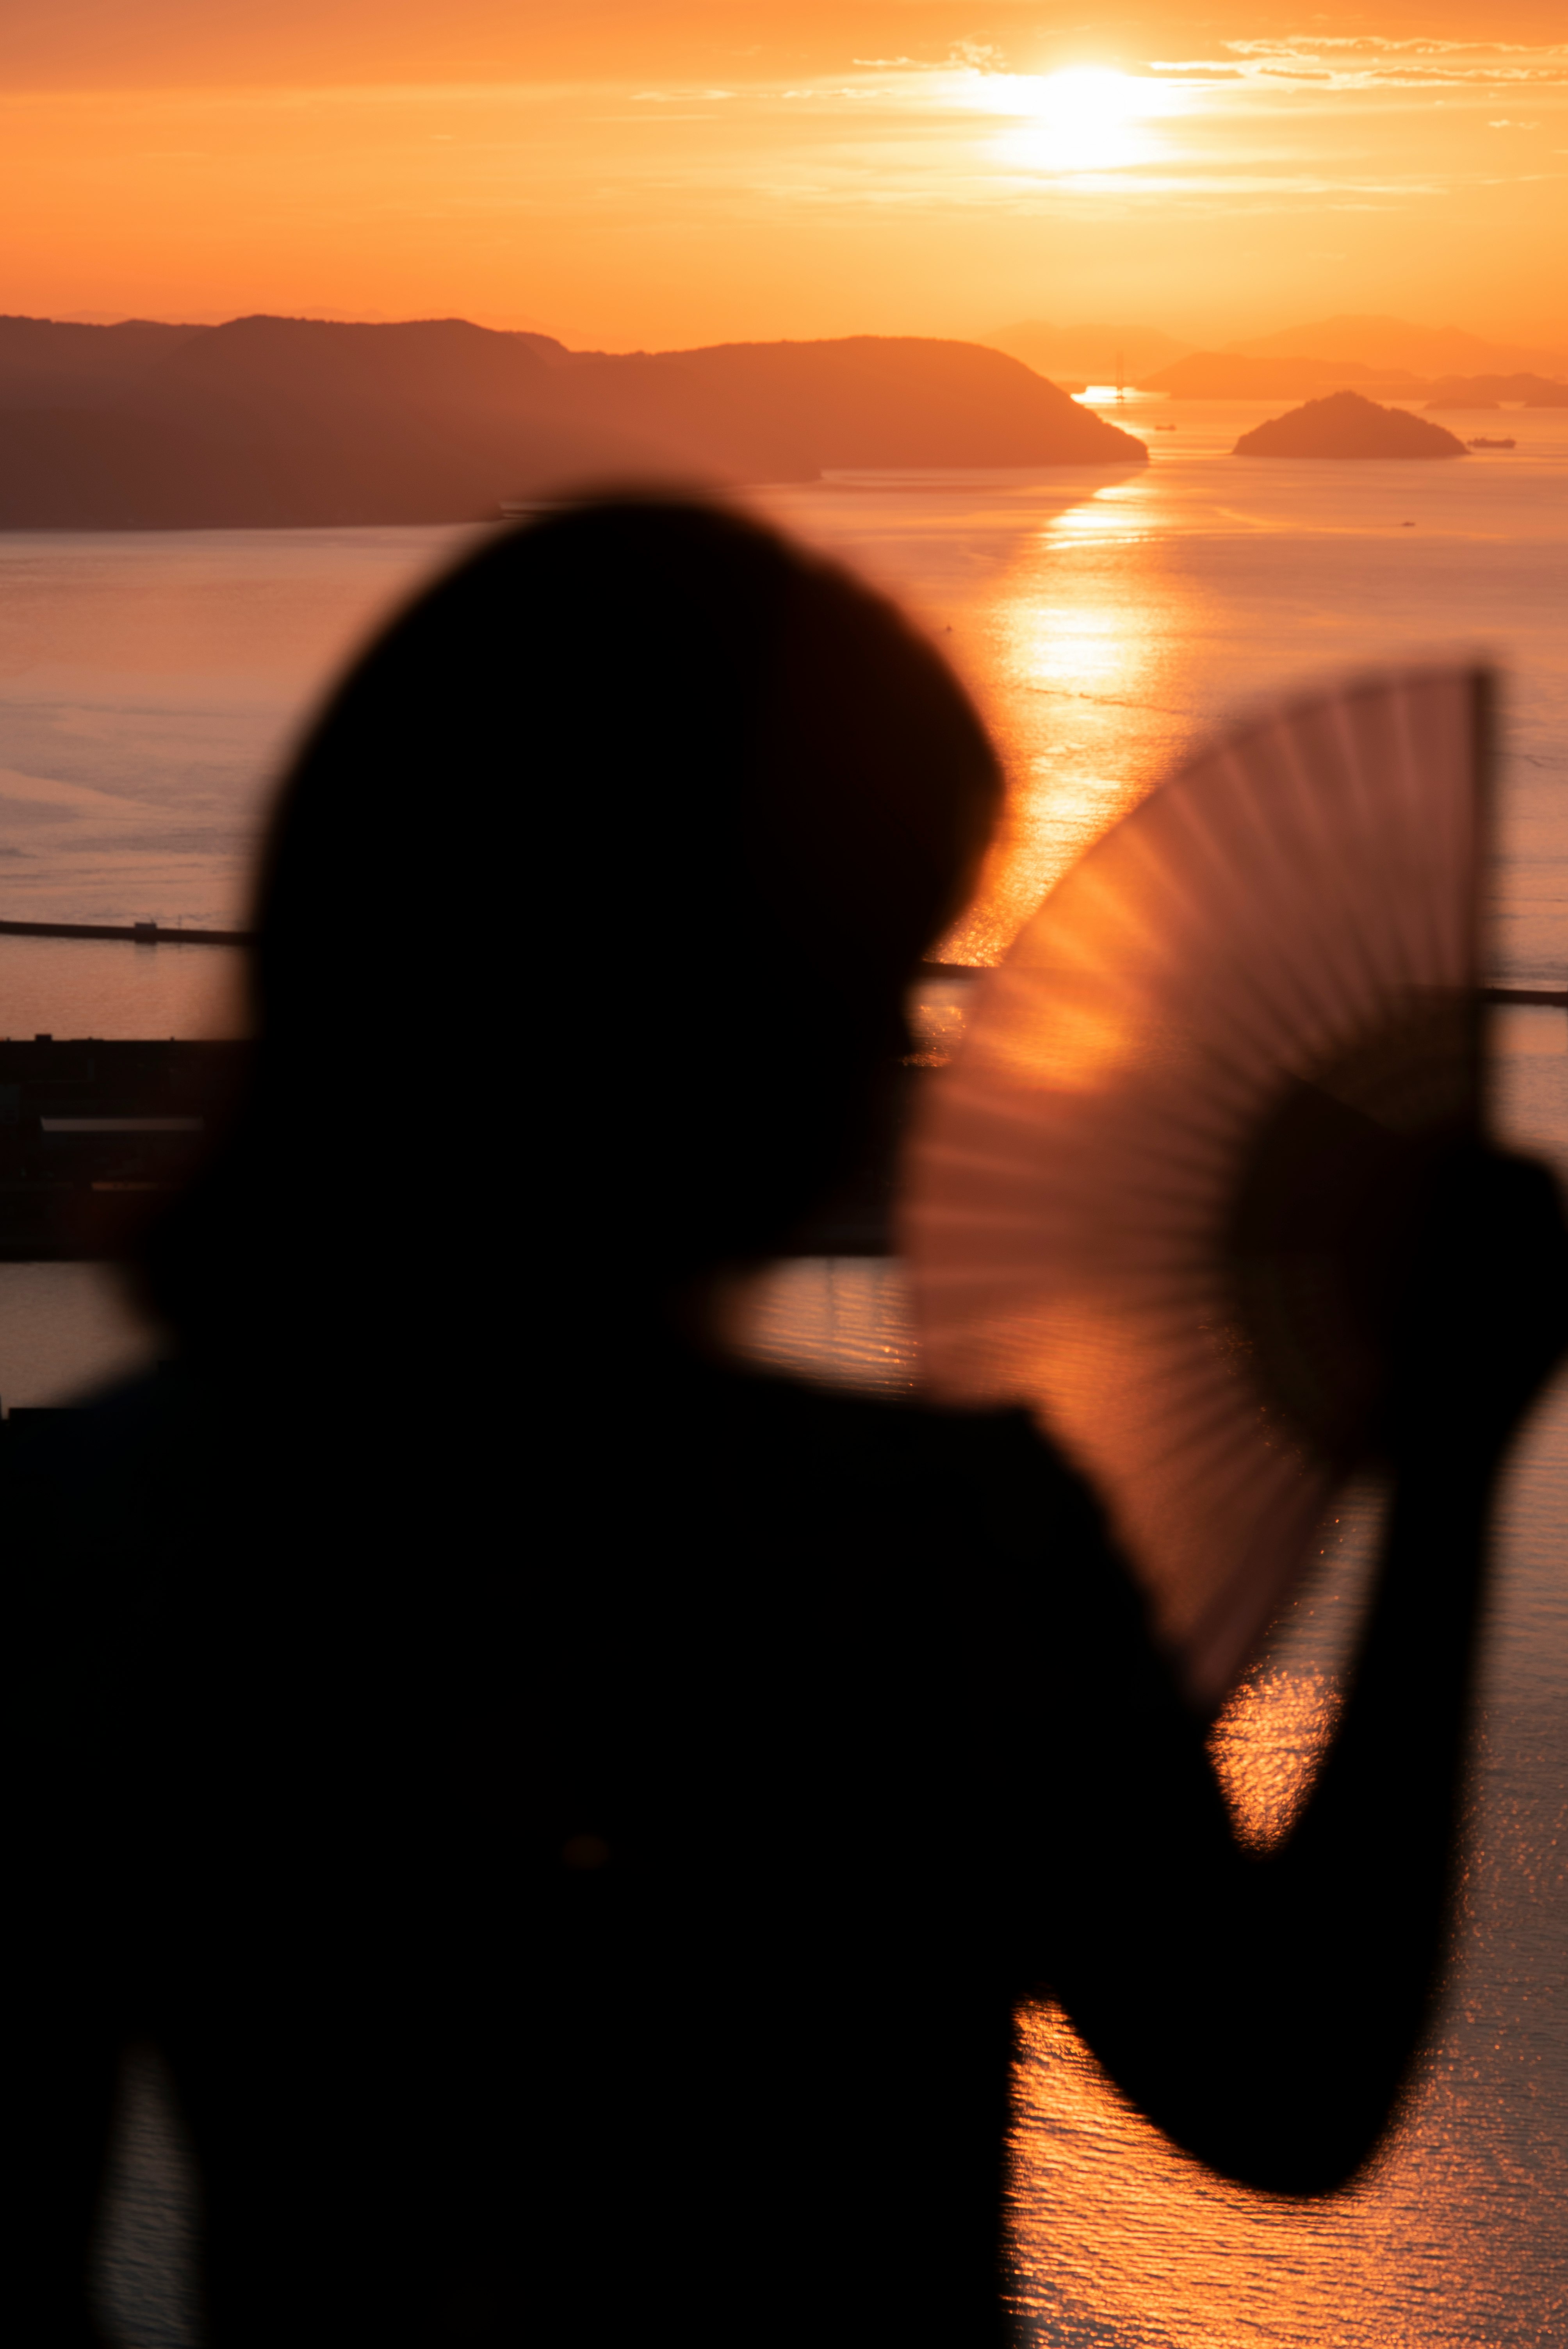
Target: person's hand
pixel 1483 1322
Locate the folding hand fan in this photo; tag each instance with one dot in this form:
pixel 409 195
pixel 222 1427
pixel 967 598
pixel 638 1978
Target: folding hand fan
pixel 1160 1187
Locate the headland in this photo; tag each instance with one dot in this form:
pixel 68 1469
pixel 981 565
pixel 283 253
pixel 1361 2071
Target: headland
pixel 307 422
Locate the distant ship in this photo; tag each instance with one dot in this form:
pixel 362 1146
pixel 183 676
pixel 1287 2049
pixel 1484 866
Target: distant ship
pixel 1482 442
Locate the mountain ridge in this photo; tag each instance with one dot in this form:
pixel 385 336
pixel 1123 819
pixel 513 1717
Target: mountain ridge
pixel 303 422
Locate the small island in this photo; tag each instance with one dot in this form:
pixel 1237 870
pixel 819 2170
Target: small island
pixel 1346 425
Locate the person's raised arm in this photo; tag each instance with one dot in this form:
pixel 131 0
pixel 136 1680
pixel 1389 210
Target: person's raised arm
pixel 1264 2009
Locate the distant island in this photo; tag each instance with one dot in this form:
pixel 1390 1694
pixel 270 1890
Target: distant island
pixel 289 421
pixel 1345 424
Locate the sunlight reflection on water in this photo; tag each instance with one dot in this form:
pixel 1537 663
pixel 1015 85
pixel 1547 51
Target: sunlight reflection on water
pixel 1108 626
pixel 1265 1745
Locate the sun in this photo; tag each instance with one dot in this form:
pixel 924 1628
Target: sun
pixel 1084 119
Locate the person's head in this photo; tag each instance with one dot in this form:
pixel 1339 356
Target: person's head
pixel 587 912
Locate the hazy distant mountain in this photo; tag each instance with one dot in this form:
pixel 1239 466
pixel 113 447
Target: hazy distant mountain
pixel 1389 343
pixel 1229 375
pixel 1087 354
pixel 1491 390
pixel 1346 425
pixel 288 420
pixel 1385 355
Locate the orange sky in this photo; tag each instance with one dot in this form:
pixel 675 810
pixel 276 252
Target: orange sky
pixel 623 173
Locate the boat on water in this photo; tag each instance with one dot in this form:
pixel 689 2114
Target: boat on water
pixel 1480 441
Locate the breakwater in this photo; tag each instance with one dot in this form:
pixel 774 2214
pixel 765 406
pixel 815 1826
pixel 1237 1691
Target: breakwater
pixel 141 933
pixel 92 1134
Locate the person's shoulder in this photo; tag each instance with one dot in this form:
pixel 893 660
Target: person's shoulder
pixel 115 1424
pixel 94 1497
pixel 88 1471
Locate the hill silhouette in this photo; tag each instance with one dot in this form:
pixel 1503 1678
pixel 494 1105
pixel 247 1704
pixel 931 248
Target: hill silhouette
pixel 1345 424
pixel 304 421
pixel 48 360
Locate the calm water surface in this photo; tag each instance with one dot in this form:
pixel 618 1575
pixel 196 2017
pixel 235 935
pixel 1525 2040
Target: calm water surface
pixel 149 687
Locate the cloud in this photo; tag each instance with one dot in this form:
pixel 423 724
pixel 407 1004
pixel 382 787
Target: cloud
pixel 1371 61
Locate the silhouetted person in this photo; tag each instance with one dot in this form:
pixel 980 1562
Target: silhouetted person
pixel 577 1817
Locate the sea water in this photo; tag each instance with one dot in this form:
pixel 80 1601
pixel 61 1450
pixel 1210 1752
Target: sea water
pixel 152 686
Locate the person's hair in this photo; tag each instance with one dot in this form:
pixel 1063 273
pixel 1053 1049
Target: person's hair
pixel 585 920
